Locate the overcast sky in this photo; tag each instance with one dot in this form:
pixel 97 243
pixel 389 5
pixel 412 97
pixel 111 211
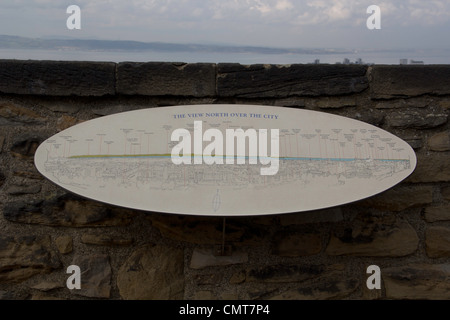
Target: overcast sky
pixel 277 23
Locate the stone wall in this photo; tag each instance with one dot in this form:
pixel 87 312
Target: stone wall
pixel 127 254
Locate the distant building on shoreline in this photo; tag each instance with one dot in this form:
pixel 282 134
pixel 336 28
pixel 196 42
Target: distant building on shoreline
pixel 415 62
pixel 358 61
pixel 347 61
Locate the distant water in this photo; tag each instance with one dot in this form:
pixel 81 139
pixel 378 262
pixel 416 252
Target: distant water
pixel 384 57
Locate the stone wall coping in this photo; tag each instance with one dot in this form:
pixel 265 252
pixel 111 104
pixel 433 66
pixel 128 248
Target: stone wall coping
pixel 91 79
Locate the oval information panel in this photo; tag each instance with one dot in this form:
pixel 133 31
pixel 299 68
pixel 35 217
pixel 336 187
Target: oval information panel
pixel 225 160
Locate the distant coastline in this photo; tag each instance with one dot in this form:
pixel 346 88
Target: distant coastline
pixel 15 42
pixel 14 47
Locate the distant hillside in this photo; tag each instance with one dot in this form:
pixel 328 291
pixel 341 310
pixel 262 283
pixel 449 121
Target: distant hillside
pixel 15 42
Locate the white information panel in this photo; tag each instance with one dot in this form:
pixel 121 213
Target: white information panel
pixel 225 160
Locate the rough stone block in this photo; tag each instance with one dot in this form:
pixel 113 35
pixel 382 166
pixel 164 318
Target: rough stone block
pixel 403 103
pixel 445 104
pixel 435 168
pixel 424 281
pixel 414 142
pixel 22 257
pixel 334 102
pixel 385 236
pixel 2 179
pixel 285 273
pixel 371 116
pixel 25 146
pixel 95 275
pixel 441 213
pixel 445 191
pixel 67 211
pixel 105 240
pixel 152 272
pixel 296 244
pixel 209 278
pixel 440 141
pixel 48 286
pixel 205 230
pixel 238 277
pixel 202 258
pixel 22 189
pixel 280 81
pixel 57 78
pixel 11 114
pixel 291 102
pixel 415 119
pixel 64 244
pixel 161 79
pixel 34 174
pixel 311 282
pixel 402 81
pixel 65 122
pixel 437 240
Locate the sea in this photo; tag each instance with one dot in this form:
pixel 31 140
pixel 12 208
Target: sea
pixel 389 57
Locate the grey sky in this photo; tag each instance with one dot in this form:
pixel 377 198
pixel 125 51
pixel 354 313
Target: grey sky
pixel 279 23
